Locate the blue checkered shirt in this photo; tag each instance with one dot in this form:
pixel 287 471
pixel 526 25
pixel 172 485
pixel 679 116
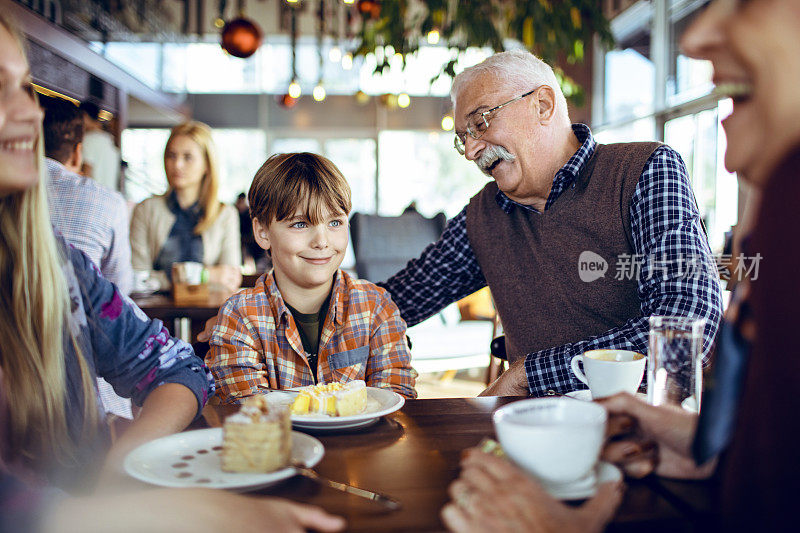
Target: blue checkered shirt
pixel 665 227
pixel 94 220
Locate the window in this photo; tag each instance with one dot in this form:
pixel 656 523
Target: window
pixel 687 78
pixel 204 67
pixel 642 129
pixel 240 151
pixel 143 150
pixel 424 168
pixel 648 97
pixel 281 146
pixel 210 70
pixel 629 84
pixel 356 159
pixel 141 60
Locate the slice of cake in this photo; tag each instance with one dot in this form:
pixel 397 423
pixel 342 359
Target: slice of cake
pixel 351 399
pixel 258 438
pixel 331 399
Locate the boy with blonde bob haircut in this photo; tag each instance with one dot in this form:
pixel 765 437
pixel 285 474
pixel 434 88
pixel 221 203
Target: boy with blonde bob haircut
pixel 306 321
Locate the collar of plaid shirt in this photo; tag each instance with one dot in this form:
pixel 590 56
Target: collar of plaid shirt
pixel 565 177
pixel 276 301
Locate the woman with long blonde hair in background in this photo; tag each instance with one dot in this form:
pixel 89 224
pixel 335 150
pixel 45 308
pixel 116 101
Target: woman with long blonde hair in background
pixel 188 222
pixel 61 325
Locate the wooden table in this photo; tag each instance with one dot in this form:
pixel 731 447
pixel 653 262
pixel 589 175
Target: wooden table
pixel 413 455
pixel 184 321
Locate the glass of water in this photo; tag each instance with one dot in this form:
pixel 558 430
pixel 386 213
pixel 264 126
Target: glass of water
pixel 674 361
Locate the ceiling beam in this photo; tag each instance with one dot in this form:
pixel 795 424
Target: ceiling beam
pixel 77 52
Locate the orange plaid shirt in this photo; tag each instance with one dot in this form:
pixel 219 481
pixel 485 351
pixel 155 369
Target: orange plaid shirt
pixel 256 342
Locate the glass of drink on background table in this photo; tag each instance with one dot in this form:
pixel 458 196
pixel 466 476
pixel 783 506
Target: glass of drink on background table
pixel 674 361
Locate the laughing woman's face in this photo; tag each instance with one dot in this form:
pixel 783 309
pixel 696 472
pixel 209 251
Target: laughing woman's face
pixel 20 119
pixel 753 46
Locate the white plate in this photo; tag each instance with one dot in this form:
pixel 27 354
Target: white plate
pixel 587 487
pixel 380 402
pixel 189 459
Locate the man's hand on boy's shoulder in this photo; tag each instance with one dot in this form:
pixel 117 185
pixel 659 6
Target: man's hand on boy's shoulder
pixel 205 335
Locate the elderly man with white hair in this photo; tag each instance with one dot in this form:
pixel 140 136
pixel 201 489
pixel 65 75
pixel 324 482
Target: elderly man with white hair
pixel 579 242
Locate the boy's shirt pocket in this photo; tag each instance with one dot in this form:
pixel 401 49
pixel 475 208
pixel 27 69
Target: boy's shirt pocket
pixel 350 364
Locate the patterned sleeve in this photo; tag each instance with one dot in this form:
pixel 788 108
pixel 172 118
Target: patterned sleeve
pixel 389 362
pixel 133 353
pixel 235 357
pixel 678 276
pixel 445 272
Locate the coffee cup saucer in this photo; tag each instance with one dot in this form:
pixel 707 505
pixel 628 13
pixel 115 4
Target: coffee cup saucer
pixel 584 394
pixel 585 487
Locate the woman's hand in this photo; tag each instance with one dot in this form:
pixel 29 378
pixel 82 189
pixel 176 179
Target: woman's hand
pixel 229 277
pixel 196 510
pixel 647 438
pixel 494 495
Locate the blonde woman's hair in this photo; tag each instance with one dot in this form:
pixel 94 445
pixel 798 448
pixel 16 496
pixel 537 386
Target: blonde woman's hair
pixel 34 310
pixel 285 182
pixel 210 206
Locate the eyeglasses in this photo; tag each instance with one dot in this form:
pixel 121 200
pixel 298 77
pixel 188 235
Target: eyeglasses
pixel 478 123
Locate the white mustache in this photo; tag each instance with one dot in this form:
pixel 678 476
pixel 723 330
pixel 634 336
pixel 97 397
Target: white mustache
pixel 491 154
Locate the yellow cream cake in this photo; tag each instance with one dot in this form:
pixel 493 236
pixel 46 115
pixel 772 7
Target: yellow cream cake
pixel 258 438
pixel 332 399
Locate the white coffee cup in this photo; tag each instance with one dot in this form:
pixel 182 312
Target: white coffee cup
pixel 557 440
pixel 608 372
pixel 188 272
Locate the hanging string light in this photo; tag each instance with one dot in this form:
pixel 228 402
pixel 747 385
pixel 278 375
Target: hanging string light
pixel 347 61
pixel 293 91
pixel 335 53
pixel 294 87
pixel 319 90
pixel 403 100
pixel 448 123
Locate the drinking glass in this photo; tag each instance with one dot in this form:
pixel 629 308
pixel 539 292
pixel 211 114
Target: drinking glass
pixel 674 361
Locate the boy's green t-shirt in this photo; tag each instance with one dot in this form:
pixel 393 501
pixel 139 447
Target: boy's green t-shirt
pixel 310 327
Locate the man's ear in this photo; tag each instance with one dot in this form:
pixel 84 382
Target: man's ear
pixel 545 101
pixel 75 159
pixel 260 234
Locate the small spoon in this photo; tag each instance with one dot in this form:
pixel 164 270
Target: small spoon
pixel 386 501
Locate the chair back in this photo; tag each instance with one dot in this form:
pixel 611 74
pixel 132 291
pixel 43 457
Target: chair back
pixel 383 245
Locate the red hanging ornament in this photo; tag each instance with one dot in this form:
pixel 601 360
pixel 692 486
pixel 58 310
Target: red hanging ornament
pixel 369 8
pixel 241 37
pixel 287 101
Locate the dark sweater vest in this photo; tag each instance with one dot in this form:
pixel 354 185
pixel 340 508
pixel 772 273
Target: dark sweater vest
pixel 531 259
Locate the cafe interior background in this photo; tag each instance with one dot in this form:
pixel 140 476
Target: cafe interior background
pixel 374 91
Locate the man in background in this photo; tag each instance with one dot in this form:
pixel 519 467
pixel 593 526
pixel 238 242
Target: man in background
pixel 101 158
pixel 91 217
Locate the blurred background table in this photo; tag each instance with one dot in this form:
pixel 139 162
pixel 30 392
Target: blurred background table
pixel 183 321
pixel 413 455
